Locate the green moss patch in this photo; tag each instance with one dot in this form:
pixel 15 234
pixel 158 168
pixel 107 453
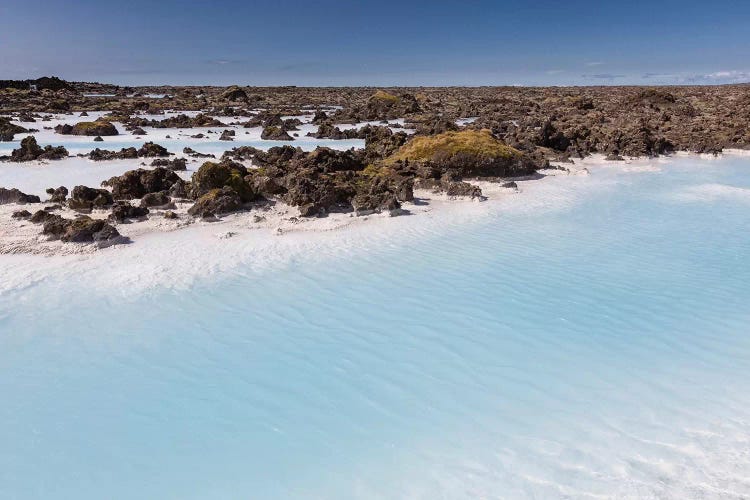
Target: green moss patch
pixel 480 144
pixel 382 95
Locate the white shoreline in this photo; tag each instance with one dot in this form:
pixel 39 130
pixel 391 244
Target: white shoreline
pixel 175 253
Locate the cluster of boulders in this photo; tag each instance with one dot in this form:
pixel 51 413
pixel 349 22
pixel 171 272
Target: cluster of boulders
pixel 378 178
pixel 148 150
pixel 82 229
pixel 327 180
pixel 555 122
pixel 172 164
pixel 179 121
pixel 29 150
pixel 513 133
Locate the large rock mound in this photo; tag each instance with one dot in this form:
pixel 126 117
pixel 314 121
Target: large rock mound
pixel 470 153
pixel 95 128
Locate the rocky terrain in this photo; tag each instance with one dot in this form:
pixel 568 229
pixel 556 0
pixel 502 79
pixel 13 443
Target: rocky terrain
pixel 450 137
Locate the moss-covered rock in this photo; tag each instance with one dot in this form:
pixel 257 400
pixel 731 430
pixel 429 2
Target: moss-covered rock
pixel 383 96
pixel 212 175
pixel 216 202
pixel 95 128
pixel 468 153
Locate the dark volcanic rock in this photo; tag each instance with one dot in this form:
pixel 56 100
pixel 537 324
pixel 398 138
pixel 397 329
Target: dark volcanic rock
pixel 175 164
pixel 160 199
pixel 193 153
pixel 384 105
pixel 148 150
pixel 274 133
pixel 57 195
pixel 368 203
pixel 382 193
pixel 80 230
pixel 15 196
pixel 8 130
pixel 151 150
pixel 319 117
pixel 86 198
pixel 459 188
pixel 137 183
pixel 311 192
pixel 234 93
pixel 21 214
pixel 450 187
pixel 325 159
pixel 179 121
pixel 42 216
pixel 241 153
pixel 103 154
pixel 123 210
pixel 30 151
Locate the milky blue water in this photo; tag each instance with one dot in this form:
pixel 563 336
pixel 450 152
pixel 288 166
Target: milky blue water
pixel 597 349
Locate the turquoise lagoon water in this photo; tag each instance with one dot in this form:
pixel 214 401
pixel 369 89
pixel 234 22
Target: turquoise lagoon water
pixel 594 348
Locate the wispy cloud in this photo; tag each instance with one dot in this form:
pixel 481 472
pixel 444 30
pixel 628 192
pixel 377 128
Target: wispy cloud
pixel 305 67
pixel 593 63
pixel 717 77
pixel 225 62
pixel 554 71
pixel 733 76
pixel 659 76
pixel 603 76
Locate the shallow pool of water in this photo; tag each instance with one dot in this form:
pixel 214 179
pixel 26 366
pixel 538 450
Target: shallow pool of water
pixel 596 349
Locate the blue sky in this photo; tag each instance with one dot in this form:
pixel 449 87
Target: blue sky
pixel 542 42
